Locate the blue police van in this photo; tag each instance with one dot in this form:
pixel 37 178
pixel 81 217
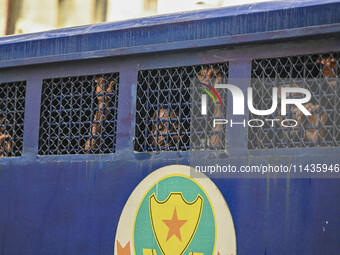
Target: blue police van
pixel 104 128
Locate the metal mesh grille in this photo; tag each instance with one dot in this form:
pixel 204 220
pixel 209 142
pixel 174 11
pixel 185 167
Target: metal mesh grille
pixel 12 112
pixel 169 115
pixel 79 115
pixel 319 74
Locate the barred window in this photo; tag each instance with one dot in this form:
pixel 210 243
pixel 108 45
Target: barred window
pixel 79 115
pixel 12 112
pixel 169 114
pixel 319 73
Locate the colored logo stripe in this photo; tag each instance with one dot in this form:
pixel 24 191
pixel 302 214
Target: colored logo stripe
pixel 213 90
pixel 206 91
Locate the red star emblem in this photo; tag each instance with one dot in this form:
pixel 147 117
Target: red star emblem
pixel 174 226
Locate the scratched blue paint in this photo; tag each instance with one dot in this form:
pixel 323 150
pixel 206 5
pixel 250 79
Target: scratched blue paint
pixel 71 204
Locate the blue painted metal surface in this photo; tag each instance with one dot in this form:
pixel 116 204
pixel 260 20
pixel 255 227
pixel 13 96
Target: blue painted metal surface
pixel 178 31
pixel 71 204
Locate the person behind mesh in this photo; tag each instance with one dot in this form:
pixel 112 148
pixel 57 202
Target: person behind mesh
pixel 329 69
pixel 165 130
pixel 5 138
pixel 313 125
pixel 314 131
pixel 103 86
pixel 211 76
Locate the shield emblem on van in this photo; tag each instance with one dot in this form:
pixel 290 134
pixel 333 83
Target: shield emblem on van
pixel 174 221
